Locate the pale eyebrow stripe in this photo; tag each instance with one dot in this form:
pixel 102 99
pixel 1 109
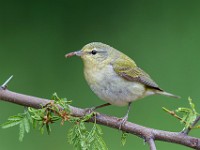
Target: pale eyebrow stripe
pixel 101 51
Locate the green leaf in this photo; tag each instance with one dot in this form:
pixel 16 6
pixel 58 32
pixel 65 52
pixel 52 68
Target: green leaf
pixel 77 136
pixel 55 97
pixel 192 105
pixel 42 130
pixel 15 118
pixel 22 119
pixel 82 138
pixel 26 124
pixel 34 123
pixel 48 128
pixel 63 102
pixel 123 138
pixel 55 118
pixel 99 143
pixel 10 124
pixel 21 131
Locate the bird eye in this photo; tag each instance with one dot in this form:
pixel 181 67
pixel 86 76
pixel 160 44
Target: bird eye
pixel 93 52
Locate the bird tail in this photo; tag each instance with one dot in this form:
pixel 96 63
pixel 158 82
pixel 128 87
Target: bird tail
pixel 167 94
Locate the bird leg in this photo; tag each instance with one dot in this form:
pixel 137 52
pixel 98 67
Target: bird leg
pixel 100 106
pixel 125 118
pixel 90 110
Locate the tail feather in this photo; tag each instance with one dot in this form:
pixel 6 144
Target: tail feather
pixel 167 94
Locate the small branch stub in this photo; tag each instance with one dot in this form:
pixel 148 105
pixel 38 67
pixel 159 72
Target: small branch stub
pixel 151 143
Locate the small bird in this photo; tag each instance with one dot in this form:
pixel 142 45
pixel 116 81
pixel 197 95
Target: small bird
pixel 114 77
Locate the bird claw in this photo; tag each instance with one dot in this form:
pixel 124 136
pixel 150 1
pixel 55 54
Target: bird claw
pixel 89 110
pixel 122 121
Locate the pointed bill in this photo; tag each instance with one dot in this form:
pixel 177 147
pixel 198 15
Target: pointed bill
pixel 77 53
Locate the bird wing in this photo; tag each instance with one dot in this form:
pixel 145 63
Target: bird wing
pixel 127 69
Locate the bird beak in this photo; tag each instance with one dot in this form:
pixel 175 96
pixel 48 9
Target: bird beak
pixel 77 53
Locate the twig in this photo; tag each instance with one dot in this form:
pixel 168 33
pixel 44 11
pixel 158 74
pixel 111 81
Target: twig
pixel 151 143
pixel 173 114
pixel 187 130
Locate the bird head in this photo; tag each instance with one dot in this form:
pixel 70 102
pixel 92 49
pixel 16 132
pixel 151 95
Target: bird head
pixel 94 53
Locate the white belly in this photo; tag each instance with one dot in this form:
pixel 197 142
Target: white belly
pixel 112 88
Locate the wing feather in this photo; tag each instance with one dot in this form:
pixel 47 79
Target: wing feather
pixel 127 69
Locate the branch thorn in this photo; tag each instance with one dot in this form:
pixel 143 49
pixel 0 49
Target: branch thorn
pixel 4 85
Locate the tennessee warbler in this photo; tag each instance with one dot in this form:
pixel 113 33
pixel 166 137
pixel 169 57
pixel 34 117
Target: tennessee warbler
pixel 114 77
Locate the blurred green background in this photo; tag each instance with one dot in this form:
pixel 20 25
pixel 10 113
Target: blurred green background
pixel 161 35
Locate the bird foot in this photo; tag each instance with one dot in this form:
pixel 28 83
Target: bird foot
pixel 89 110
pixel 122 121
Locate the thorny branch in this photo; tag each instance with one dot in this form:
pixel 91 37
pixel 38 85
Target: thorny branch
pixel 141 131
pixel 149 134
